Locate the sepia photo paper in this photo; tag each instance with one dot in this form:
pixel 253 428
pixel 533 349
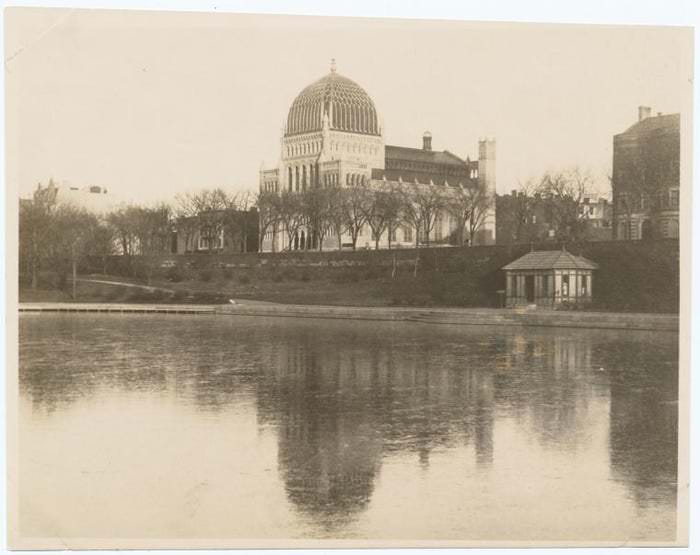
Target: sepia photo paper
pixel 286 281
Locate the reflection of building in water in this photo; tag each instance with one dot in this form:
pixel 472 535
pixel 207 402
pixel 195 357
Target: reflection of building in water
pixel 542 376
pixel 340 411
pixel 329 451
pixel 644 423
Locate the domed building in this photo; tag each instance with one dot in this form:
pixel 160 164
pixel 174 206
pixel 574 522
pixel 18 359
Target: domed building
pixel 333 137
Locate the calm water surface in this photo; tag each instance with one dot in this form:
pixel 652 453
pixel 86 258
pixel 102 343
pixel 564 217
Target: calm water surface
pixel 147 426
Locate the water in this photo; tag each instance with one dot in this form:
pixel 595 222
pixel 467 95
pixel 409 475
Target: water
pixel 148 426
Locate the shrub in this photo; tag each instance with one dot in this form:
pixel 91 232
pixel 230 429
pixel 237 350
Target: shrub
pixel 244 279
pixel 227 273
pixel 180 295
pixel 175 274
pixel 289 273
pixel 206 274
pixel 347 275
pixel 373 272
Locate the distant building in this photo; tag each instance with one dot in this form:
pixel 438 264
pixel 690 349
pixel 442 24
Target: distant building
pixel 646 177
pixel 333 137
pixel 527 219
pixel 94 198
pixel 521 218
pixel 597 213
pixel 239 234
pixel 549 278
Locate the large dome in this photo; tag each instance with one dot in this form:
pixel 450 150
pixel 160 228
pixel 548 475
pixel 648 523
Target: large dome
pixel 348 106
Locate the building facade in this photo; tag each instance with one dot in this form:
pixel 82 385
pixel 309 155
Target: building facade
pixel 220 231
pixel 523 219
pixel 646 177
pixel 94 199
pixel 549 279
pixel 333 137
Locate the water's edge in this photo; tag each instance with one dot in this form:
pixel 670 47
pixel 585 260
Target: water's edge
pixel 455 316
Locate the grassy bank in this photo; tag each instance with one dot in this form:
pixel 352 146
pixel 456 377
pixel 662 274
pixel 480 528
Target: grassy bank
pixel 633 276
pixel 340 287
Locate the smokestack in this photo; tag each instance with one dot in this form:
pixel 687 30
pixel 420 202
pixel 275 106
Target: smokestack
pixel 427 141
pixel 644 112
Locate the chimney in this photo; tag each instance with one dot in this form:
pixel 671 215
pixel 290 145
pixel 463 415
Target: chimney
pixel 644 112
pixel 427 141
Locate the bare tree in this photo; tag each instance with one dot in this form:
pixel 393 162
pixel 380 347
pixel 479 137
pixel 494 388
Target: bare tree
pixel 154 232
pixel 469 205
pixel 242 204
pixel 421 206
pixel 564 193
pixel 101 243
pixel 315 205
pixel 268 205
pixel 124 223
pixel 382 211
pixel 336 213
pixel 291 215
pixel 210 206
pixel 72 229
pixel 355 205
pixel 186 221
pixel 35 231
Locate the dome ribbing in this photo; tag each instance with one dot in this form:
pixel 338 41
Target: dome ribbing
pixel 348 106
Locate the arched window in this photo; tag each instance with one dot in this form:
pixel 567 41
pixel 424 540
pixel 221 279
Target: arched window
pixel 673 229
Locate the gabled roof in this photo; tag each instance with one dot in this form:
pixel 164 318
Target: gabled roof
pixel 421 155
pixel 551 260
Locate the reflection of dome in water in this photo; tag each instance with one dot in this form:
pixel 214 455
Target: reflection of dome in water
pixel 348 106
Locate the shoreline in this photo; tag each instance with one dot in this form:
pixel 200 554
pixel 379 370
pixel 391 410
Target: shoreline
pixel 451 316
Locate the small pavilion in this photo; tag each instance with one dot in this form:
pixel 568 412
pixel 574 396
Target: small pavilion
pixel 549 278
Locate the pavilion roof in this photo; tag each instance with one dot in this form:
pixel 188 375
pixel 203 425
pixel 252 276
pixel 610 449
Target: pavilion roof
pixel 551 260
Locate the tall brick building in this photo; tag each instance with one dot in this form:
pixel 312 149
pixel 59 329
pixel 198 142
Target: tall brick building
pixel 646 177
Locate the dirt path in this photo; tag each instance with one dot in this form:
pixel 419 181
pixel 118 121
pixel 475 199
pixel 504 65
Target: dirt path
pixel 148 288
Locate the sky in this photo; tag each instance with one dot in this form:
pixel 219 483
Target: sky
pixel 153 104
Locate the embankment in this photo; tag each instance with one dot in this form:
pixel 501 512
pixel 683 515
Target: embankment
pixel 454 316
pixel 634 276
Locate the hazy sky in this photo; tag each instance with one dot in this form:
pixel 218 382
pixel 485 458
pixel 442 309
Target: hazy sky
pixel 150 104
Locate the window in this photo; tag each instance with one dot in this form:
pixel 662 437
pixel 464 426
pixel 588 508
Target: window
pixel 438 228
pixel 565 285
pixel 672 229
pixel 217 243
pixel 673 197
pixel 407 234
pixel 584 285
